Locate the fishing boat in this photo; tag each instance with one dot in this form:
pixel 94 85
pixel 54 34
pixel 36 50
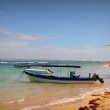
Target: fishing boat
pixel 47 75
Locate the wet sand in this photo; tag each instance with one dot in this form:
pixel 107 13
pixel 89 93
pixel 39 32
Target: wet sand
pixel 94 102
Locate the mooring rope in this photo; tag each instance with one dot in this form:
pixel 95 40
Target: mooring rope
pixel 20 76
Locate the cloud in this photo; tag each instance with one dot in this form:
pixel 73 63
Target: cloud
pixel 19 41
pixel 20 36
pixel 74 54
pixel 17 45
pixel 12 44
pixel 27 51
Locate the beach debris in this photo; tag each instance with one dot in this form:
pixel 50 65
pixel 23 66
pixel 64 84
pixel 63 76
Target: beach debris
pixel 96 94
pixel 93 107
pixel 84 108
pixel 106 93
pixel 94 103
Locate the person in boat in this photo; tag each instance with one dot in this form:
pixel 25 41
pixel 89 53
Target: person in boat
pixel 50 70
pixel 72 75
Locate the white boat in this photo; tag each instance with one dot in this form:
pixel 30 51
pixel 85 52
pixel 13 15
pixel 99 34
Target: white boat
pixel 47 76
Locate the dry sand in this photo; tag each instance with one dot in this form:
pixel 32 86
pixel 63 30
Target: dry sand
pixel 94 102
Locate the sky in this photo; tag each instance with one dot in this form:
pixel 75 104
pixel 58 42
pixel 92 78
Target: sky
pixel 55 29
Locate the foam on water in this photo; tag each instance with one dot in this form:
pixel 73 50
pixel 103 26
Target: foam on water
pixel 33 107
pixel 3 62
pixel 66 100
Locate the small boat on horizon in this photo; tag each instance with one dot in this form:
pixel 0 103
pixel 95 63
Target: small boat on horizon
pixel 24 65
pixel 29 64
pixel 46 75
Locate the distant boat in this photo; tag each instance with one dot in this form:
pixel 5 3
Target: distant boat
pixel 24 65
pixel 47 75
pixel 28 64
pixel 40 63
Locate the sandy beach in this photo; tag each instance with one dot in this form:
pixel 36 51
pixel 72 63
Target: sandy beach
pixel 94 102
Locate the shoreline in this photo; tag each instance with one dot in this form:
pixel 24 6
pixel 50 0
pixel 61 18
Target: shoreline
pixel 93 102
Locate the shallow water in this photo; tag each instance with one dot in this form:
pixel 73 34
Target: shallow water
pixel 22 94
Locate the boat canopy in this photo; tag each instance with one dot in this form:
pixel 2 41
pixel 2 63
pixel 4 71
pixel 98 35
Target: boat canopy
pixel 61 66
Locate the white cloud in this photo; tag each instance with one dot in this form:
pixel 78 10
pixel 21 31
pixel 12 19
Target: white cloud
pixel 21 36
pixel 26 50
pixel 12 43
pixel 16 45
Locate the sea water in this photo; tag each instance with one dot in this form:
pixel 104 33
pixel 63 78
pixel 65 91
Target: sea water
pixel 18 93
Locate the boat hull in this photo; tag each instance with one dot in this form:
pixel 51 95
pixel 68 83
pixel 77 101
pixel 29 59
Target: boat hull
pixel 36 79
pixel 53 79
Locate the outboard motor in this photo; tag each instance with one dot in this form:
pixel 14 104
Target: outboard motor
pixel 96 77
pixel 101 80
